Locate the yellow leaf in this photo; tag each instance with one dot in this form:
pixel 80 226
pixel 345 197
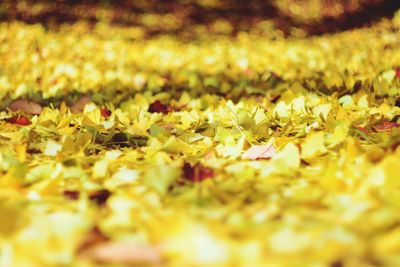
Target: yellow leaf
pixel 174 145
pixel 20 150
pixel 313 145
pixel 289 156
pixel 322 110
pixel 52 148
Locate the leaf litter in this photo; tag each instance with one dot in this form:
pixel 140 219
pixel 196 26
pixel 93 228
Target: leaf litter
pixel 202 154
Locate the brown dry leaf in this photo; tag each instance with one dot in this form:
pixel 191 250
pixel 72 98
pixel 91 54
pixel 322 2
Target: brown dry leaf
pixel 260 152
pixel 386 126
pixel 120 252
pixel 26 106
pixel 79 105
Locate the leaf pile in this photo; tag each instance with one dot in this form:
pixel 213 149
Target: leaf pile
pixel 232 151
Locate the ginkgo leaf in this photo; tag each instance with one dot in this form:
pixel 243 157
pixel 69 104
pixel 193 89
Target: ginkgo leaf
pixel 167 125
pixel 260 152
pixel 313 146
pixel 290 156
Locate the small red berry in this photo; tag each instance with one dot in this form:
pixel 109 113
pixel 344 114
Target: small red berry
pixel 105 112
pixel 19 120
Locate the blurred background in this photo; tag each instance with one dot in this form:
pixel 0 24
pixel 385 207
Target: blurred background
pixel 180 17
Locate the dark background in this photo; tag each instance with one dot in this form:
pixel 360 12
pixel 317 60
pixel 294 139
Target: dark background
pixel 313 19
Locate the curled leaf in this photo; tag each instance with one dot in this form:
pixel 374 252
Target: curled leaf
pixel 26 106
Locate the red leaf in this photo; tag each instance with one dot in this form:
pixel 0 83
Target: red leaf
pixel 196 173
pixel 26 106
pixel 397 71
pixel 157 106
pixel 386 126
pixel 19 120
pixel 260 152
pixel 105 112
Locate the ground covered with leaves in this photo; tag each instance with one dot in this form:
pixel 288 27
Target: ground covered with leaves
pixel 121 150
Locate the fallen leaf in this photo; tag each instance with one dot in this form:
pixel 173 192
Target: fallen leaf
pixel 19 120
pixel 260 152
pixel 397 102
pixel 196 173
pixel 73 195
pixel 386 126
pixel 157 106
pixel 79 105
pixel 397 72
pixel 100 196
pixel 124 253
pixel 105 112
pixel 313 146
pixel 26 106
pixel 274 99
pixel 289 156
